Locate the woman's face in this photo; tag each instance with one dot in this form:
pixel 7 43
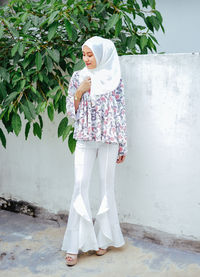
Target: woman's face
pixel 89 58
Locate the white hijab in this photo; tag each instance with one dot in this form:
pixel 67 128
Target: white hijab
pixel 106 76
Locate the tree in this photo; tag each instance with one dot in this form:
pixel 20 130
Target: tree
pixel 40 48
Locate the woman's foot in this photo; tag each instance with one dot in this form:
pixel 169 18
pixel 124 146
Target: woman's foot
pixel 71 259
pixel 101 252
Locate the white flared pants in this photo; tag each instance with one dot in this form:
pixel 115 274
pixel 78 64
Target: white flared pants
pixel 80 233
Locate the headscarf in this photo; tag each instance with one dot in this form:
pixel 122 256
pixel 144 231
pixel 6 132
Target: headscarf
pixel 106 76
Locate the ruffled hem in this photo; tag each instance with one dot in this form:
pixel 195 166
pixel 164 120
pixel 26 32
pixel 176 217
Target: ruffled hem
pixel 83 237
pixel 87 236
pixel 107 235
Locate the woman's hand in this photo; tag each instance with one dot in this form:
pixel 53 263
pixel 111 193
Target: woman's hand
pixel 85 85
pixel 120 159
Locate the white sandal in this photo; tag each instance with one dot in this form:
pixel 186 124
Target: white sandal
pixel 73 261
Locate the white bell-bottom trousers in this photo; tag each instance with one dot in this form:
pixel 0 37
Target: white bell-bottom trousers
pixel 80 233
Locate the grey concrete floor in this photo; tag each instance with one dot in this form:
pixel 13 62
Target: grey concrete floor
pixel 31 247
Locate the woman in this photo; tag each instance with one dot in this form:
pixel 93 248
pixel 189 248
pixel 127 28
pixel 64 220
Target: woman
pixel 96 102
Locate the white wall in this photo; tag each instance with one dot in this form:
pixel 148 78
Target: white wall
pixel 158 184
pixel 162 171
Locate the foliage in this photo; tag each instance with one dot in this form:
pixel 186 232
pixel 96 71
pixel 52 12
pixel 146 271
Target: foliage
pixel 40 48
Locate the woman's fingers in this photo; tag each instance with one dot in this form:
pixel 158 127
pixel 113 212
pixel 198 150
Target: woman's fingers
pixel 120 159
pixel 86 84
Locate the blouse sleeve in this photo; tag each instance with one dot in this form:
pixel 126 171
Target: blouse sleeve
pixel 73 85
pixel 121 120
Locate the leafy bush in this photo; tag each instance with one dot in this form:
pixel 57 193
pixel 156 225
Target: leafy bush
pixel 40 47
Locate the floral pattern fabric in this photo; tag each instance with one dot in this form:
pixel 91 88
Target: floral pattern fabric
pixel 103 120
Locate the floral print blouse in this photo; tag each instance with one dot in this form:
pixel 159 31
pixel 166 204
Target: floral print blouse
pixel 101 121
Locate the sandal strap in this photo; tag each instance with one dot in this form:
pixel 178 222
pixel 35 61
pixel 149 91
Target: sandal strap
pixel 73 256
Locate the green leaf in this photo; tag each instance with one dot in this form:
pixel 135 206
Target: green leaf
pixel 10 97
pixel 7 123
pixel 49 64
pixel 32 109
pixel 152 3
pixel 14 32
pixel 26 111
pixel 62 126
pixel 21 48
pixel 41 107
pixel 38 61
pixel 155 22
pixel 129 22
pixel 74 34
pixel 1 31
pixel 81 8
pixel 163 29
pixel 131 41
pixel 2 114
pixel 50 111
pixel 34 90
pixel 159 16
pixel 4 74
pixel 75 21
pixel 35 20
pixel 100 8
pixel 10 109
pixel 3 91
pixel 30 51
pixel 112 21
pixel 118 27
pixel 41 121
pixel 57 96
pixel 40 76
pixel 54 54
pixel 143 41
pixel 53 91
pixel 66 132
pixel 37 131
pixel 16 78
pixel 27 62
pixel 63 104
pixel 22 84
pixel 69 2
pixel 27 129
pixel 2 138
pixel 14 49
pixel 154 38
pixel 73 57
pixel 52 16
pixel 149 23
pixel 116 2
pixel 79 65
pixel 71 143
pixel 68 27
pixel 16 123
pixel 52 30
pixel 26 27
pixel 84 21
pixel 24 17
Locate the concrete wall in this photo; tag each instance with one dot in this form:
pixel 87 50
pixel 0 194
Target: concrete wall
pixel 158 184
